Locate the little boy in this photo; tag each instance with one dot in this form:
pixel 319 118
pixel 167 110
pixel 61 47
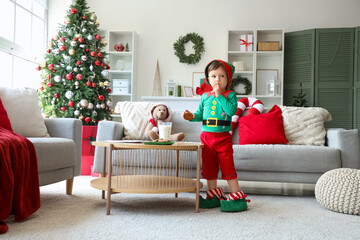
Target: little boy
pixel 215 111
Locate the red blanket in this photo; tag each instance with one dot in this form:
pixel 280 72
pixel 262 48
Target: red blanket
pixel 19 180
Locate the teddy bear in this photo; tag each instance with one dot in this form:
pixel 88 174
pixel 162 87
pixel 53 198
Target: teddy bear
pixel 160 113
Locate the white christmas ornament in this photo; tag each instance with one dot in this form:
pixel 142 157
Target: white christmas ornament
pixel 106 61
pixel 76 83
pixel 82 45
pixel 83 58
pixel 84 103
pixel 104 73
pixel 81 69
pixel 90 106
pixel 90 37
pixel 102 105
pixel 57 78
pixel 76 112
pixel 69 94
pixel 73 43
pixel 76 69
pixel 91 67
pixel 107 83
pixel 98 106
pixel 94 113
pixel 69 68
pixel 109 103
pixel 83 30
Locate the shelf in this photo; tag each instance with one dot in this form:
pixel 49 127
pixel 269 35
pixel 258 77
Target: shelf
pixel 270 53
pixel 240 53
pixel 116 115
pixel 267 96
pixel 128 94
pixel 119 71
pixel 243 72
pixel 120 53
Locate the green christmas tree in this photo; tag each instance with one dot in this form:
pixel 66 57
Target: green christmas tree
pixel 299 100
pixel 75 82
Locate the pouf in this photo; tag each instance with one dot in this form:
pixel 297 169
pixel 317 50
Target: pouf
pixel 339 190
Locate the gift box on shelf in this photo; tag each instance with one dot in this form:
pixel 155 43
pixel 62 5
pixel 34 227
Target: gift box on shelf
pixel 268 46
pixel 246 43
pixel 87 150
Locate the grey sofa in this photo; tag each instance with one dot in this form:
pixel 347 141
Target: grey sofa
pixel 59 156
pixel 265 163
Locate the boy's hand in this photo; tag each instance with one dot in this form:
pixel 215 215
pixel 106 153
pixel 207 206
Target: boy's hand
pixel 216 89
pixel 188 115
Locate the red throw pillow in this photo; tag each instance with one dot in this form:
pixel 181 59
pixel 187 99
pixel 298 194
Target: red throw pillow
pixel 267 128
pixel 4 119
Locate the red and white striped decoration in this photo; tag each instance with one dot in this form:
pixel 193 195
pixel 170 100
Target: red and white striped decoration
pixel 257 107
pixel 237 195
pixel 219 192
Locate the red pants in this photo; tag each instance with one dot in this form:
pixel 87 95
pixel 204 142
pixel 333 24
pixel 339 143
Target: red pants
pixel 217 151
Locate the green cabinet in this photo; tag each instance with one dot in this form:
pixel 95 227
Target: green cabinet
pixel 325 67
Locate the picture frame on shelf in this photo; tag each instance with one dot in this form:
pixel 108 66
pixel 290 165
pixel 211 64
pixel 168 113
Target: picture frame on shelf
pixel 263 76
pixel 197 80
pixel 188 91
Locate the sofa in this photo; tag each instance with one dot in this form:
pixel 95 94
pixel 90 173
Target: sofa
pixel 57 141
pixel 280 163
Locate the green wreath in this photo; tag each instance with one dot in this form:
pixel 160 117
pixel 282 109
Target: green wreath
pixel 240 80
pixel 179 47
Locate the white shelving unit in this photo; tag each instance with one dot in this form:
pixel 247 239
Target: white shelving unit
pixel 122 66
pixel 259 63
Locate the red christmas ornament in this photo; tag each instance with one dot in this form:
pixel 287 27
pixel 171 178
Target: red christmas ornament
pixel 87 119
pixel 62 39
pixel 84 17
pixel 108 67
pixel 119 47
pixel 93 54
pixel 38 68
pixel 56 95
pixel 102 65
pixel 101 97
pixel 51 66
pixel 62 48
pixel 48 76
pixel 99 54
pixel 79 76
pixel 73 11
pixel 48 51
pixel 69 76
pixel 88 83
pixel 81 40
pixel 109 90
pixel 54 71
pixel 86 50
pixel 97 63
pixel 41 88
pixel 49 84
pixel 78 63
pixel 93 85
pixel 63 109
pixel 75 39
pixel 71 103
pixel 98 37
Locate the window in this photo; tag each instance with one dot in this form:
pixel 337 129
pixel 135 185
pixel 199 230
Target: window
pixel 22 41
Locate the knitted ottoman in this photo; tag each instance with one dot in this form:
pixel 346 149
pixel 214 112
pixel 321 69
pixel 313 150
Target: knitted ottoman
pixel 339 190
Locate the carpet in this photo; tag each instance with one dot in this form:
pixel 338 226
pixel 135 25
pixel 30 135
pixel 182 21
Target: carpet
pixel 149 216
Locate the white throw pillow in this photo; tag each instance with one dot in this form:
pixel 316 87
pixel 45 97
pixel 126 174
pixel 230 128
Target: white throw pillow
pixel 22 107
pixel 305 125
pixel 135 117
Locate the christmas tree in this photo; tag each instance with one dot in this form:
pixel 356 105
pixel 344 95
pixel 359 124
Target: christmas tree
pixel 299 100
pixel 75 83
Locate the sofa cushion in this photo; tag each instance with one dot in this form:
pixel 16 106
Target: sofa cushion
pixel 4 119
pixel 22 107
pixel 265 128
pixel 305 126
pixel 54 153
pixel 135 117
pixel 286 158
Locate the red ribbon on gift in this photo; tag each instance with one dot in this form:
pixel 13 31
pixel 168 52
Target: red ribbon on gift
pixel 245 42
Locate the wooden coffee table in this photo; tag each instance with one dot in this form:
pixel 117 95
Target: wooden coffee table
pixel 144 168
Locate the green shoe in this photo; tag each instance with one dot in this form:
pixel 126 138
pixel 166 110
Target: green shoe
pixel 209 203
pixel 234 205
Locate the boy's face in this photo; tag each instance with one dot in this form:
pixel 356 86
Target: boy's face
pixel 218 79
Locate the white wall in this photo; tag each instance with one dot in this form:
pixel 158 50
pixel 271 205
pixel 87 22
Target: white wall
pixel 159 23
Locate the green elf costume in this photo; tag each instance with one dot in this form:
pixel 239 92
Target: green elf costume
pixel 215 114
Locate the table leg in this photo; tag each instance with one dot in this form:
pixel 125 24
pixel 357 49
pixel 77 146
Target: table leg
pixel 197 180
pixel 104 172
pixel 109 180
pixel 177 168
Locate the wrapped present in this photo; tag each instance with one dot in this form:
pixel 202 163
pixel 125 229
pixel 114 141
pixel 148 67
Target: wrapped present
pixel 246 43
pixel 88 136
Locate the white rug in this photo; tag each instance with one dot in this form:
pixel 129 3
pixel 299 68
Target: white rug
pixel 142 216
